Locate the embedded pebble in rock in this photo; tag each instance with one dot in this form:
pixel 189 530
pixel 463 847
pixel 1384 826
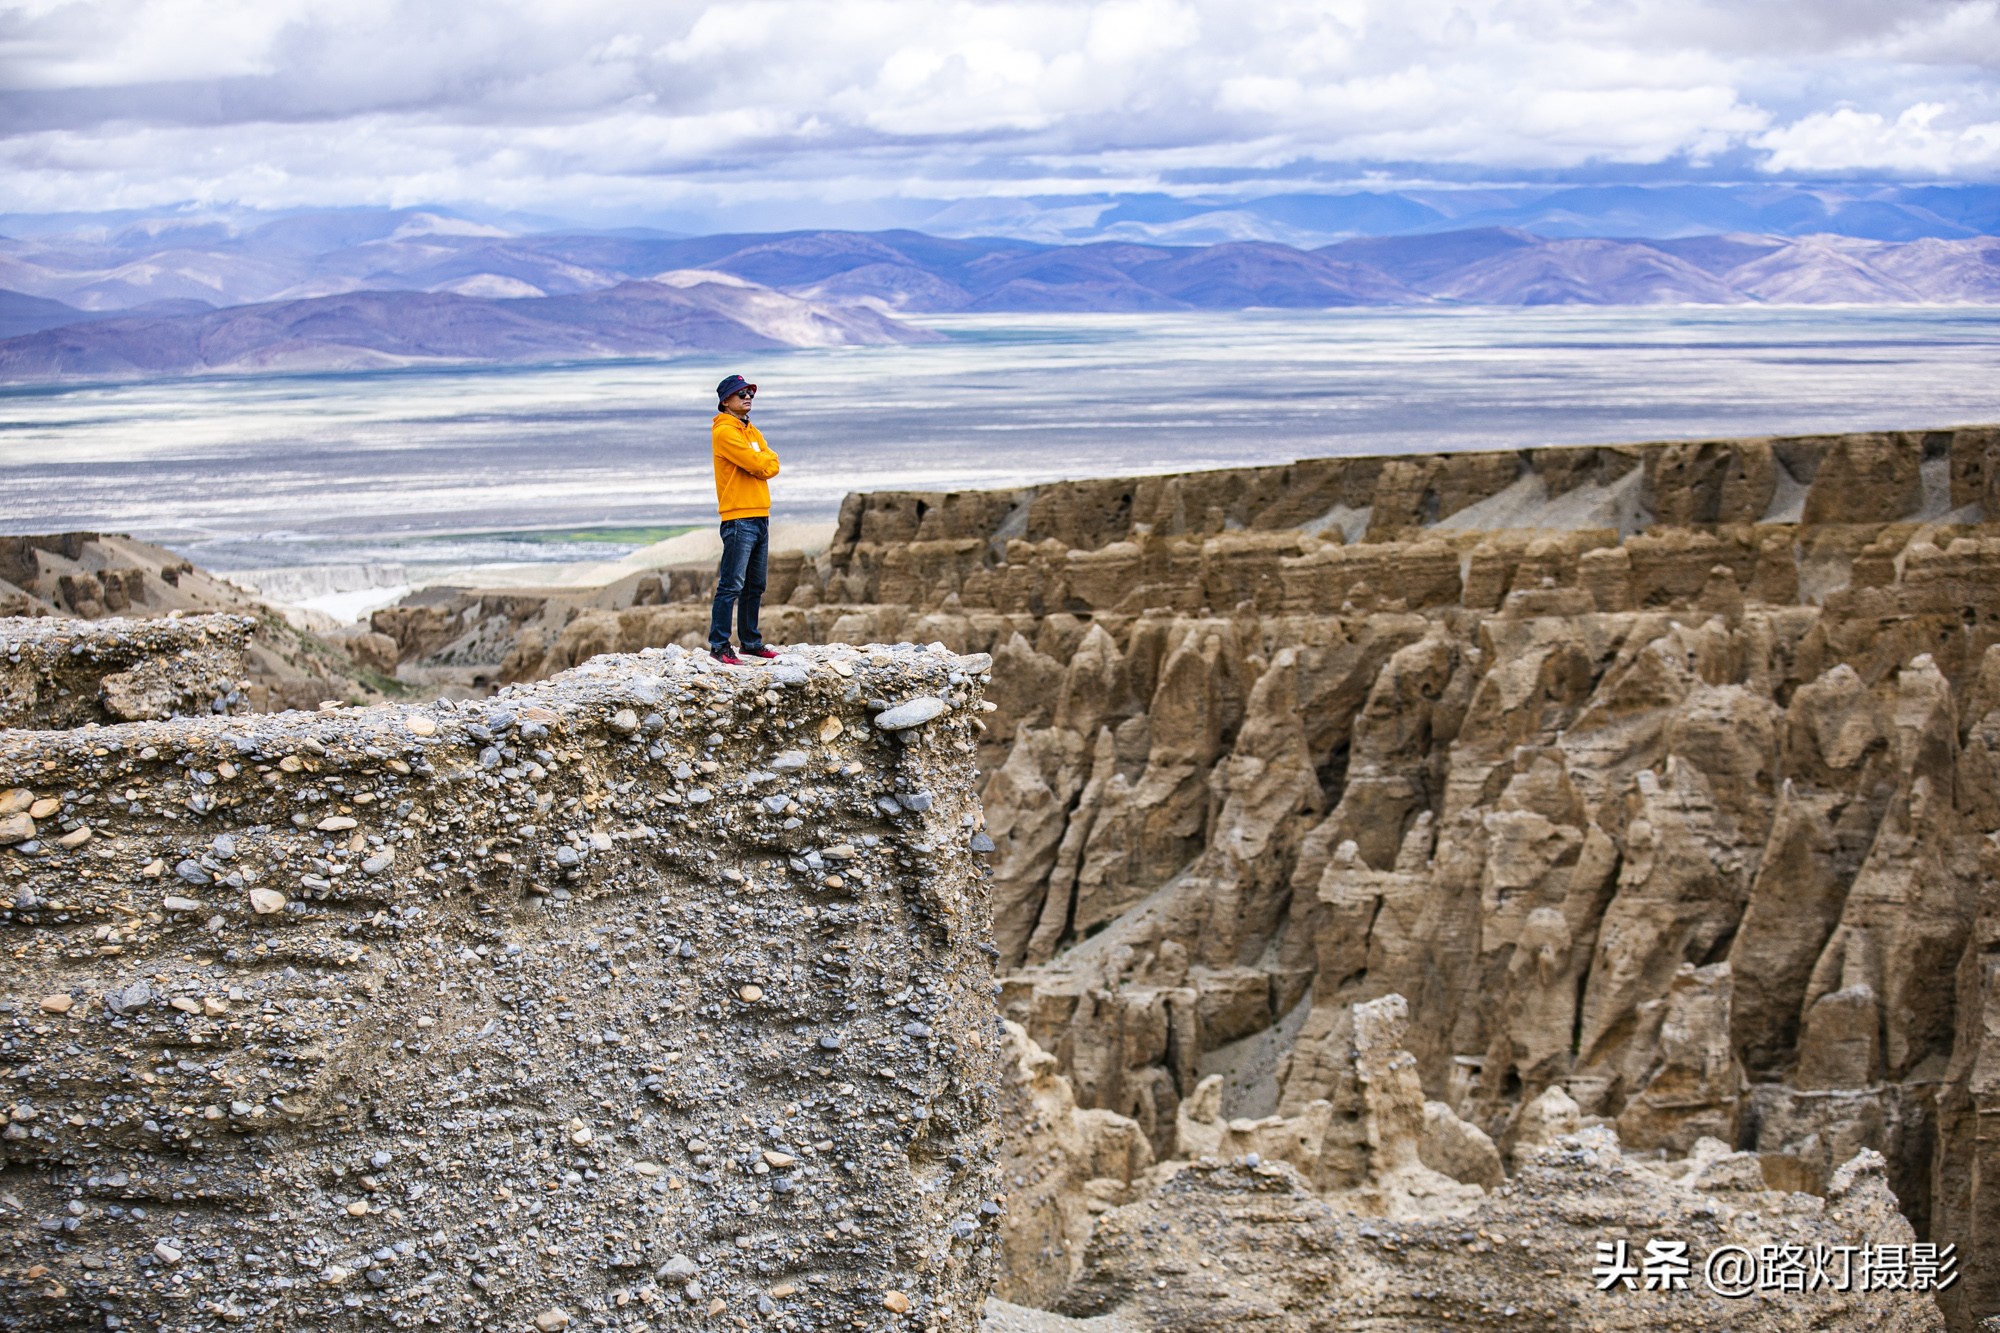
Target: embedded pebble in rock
pixel 426 1042
pixel 16 828
pixel 912 714
pixel 128 1000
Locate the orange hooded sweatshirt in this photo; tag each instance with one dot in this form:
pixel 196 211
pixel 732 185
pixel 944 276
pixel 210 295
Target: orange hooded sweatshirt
pixel 743 462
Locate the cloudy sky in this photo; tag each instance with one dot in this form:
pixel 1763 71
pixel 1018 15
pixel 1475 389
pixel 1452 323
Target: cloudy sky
pixel 636 110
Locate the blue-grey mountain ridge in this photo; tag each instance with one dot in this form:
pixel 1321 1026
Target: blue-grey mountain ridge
pixel 356 289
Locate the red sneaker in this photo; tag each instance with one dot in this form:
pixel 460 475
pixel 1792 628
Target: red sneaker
pixel 725 656
pixel 759 651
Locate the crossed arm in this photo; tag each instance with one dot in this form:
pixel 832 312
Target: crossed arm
pixel 738 448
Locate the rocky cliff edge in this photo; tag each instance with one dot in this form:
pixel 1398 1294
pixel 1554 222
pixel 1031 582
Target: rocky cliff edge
pixel 645 996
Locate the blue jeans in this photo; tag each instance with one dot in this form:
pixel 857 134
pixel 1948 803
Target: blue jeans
pixel 739 584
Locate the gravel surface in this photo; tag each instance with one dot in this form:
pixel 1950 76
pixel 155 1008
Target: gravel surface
pixel 59 672
pixel 646 996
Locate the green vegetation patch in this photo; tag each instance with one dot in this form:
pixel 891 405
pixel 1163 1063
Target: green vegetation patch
pixel 568 536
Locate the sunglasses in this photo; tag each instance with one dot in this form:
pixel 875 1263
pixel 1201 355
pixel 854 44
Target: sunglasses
pixel 744 393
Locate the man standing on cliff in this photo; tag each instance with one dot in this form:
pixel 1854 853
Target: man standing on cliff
pixel 743 464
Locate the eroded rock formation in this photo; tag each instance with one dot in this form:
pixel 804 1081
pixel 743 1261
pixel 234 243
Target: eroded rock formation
pixel 1686 814
pixel 105 576
pixel 646 996
pixel 53 676
pixel 1225 1245
pixel 1660 776
pixel 1382 1210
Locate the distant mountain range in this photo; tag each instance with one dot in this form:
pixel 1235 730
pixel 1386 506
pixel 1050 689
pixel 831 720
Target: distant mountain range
pixel 1872 211
pixel 1867 212
pixel 21 314
pixel 427 250
pixel 360 288
pixel 684 312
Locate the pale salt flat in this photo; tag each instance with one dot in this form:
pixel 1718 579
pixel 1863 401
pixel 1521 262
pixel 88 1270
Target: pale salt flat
pixel 443 470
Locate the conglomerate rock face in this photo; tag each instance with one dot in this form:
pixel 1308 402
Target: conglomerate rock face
pixel 656 995
pixel 1659 775
pixel 64 672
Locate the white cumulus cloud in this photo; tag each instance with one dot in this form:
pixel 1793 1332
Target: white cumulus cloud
pixel 1921 140
pixel 595 105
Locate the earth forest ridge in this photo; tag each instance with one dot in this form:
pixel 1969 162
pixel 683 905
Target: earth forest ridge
pixel 1396 855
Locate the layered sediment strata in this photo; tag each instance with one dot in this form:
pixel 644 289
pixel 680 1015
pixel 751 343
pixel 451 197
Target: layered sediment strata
pixel 1656 774
pixel 645 995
